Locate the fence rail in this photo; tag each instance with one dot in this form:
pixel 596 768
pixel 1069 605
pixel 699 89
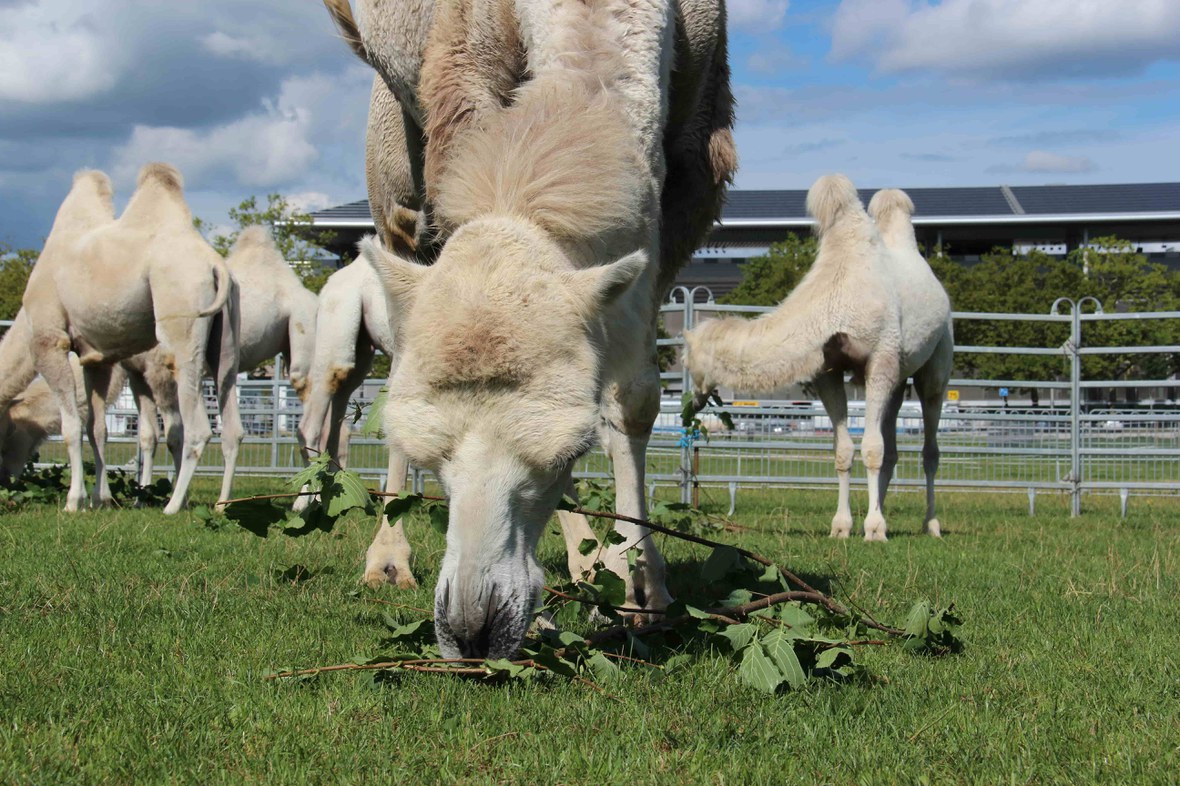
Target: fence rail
pixel 1067 446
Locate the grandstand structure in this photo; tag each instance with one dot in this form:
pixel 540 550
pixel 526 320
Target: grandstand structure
pixel 964 221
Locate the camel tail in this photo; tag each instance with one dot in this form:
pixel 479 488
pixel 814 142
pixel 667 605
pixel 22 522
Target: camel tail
pixel 831 197
pixel 224 284
pixel 890 202
pixel 345 23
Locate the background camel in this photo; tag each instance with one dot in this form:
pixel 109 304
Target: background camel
pixel 558 145
pixel 870 305
pixel 279 315
pixel 353 322
pixel 109 289
pixel 33 416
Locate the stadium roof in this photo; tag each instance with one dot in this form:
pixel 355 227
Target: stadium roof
pixel 933 206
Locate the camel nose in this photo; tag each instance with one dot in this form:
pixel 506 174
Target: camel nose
pixel 477 624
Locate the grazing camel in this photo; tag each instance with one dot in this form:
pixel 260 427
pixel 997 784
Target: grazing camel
pixel 110 288
pixel 572 172
pixel 870 305
pixel 279 316
pixel 33 416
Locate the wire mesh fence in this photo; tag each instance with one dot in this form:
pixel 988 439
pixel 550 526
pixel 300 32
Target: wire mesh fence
pixel 1077 441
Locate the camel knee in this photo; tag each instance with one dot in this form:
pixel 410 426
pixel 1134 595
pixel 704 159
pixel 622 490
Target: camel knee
pixel 844 453
pixel 872 453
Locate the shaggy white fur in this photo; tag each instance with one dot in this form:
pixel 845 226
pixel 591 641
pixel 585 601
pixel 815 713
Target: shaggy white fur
pixel 548 142
pixel 870 305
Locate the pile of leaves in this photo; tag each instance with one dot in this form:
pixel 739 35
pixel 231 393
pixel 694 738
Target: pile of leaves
pixel 780 631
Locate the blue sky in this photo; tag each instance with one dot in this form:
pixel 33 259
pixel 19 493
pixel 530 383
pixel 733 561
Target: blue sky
pixel 253 96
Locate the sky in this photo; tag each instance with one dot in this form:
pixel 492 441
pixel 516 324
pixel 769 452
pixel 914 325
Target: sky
pixel 249 97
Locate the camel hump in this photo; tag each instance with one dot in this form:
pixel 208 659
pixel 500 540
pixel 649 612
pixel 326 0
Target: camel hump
pixel 253 236
pixel 829 198
pixel 100 180
pixel 889 202
pixel 164 174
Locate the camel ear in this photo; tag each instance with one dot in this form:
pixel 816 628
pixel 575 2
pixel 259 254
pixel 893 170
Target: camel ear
pixel 602 285
pixel 400 276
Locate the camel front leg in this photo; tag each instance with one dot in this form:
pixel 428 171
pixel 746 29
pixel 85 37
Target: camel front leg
pixel 829 387
pixel 388 559
pixel 51 353
pixel 96 380
pixel 889 435
pixel 880 382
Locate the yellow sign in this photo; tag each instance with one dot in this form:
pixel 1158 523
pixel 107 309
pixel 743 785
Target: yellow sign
pixel 744 404
pixel 952 395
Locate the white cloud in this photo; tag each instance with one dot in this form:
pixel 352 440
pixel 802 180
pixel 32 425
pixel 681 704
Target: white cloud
pixel 261 150
pixel 240 47
pixel 309 201
pixel 1044 162
pixel 58 51
pixel 1008 38
pixel 756 16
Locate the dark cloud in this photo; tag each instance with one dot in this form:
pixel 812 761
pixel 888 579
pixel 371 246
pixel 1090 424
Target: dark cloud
pixel 1055 138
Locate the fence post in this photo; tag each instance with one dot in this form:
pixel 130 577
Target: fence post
pixel 1073 348
pixel 274 403
pixel 685 387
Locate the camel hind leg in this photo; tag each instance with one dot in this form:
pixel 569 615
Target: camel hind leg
pixel 829 386
pixel 96 380
pixel 889 435
pixel 931 382
pixel 224 354
pixel 149 436
pixel 186 340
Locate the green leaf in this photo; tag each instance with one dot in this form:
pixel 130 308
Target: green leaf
pixel 504 666
pixel 613 589
pixel 721 561
pixel 738 597
pixel 373 419
pixel 255 515
pixel 614 538
pixel 345 492
pixel 567 503
pixel 758 671
pixel 725 418
pixel 739 635
pixel 603 668
pixel 793 615
pixel 676 663
pixel 309 475
pixel 696 613
pixel 401 505
pixel 782 651
pixel 587 545
pixel 828 658
pixel 439 517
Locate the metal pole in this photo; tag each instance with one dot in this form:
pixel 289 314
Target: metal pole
pixel 274 403
pixel 1075 413
pixel 685 387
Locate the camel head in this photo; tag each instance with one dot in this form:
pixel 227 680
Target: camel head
pixel 496 391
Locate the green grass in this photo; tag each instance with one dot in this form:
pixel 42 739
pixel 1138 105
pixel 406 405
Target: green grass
pixel 133 648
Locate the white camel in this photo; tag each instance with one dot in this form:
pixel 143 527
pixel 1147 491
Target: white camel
pixel 869 305
pixel 32 417
pixel 109 289
pixel 354 321
pixel 573 172
pixel 278 315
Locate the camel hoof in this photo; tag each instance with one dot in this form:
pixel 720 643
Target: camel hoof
pixel 172 508
pixel 378 576
pixel 933 528
pixel 875 528
pixel 841 526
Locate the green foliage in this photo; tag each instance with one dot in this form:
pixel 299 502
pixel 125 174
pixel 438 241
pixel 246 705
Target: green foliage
pixel 293 234
pixel 49 485
pixel 768 279
pixel 15 266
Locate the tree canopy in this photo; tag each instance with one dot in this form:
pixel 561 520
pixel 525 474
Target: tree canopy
pixel 15 266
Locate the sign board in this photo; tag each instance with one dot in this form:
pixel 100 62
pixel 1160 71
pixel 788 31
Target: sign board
pixel 952 395
pixel 1003 392
pixel 744 404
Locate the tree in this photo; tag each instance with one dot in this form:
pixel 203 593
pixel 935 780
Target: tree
pixel 299 244
pixel 766 280
pixel 15 266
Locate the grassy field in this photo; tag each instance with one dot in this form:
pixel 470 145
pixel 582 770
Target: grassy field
pixel 133 648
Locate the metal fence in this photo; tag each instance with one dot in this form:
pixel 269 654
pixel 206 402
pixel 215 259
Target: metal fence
pixel 1066 445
